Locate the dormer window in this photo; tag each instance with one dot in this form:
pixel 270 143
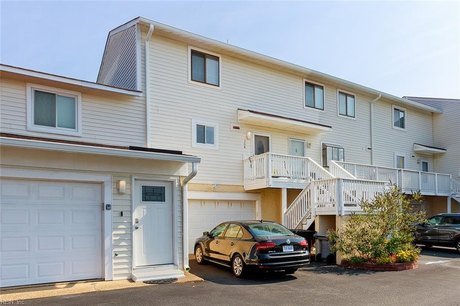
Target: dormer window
pixel 53 110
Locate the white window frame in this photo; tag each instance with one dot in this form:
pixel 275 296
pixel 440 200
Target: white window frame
pixel 190 49
pixel 330 144
pixel 338 104
pixel 254 142
pixel 195 144
pixel 31 126
pixel 395 160
pixel 305 97
pixel 393 117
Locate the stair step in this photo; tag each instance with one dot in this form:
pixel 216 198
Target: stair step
pixel 153 273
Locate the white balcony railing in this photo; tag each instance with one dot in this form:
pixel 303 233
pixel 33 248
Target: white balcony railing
pixel 428 183
pixel 279 170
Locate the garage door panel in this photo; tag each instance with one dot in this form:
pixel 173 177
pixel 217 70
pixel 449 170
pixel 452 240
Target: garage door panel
pixel 204 215
pixel 52 232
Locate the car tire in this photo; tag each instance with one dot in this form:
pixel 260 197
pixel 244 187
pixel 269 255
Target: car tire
pixel 457 245
pixel 199 257
pixel 238 266
pixel 290 271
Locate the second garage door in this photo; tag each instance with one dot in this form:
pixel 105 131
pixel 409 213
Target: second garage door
pixel 50 231
pixel 204 215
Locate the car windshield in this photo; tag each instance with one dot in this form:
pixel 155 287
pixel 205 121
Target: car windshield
pixel 269 229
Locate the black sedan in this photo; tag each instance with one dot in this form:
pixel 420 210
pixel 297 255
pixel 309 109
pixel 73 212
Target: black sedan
pixel 252 245
pixel 440 230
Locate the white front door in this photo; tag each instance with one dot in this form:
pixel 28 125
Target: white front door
pixel 153 223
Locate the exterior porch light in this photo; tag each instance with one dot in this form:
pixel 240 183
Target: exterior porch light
pixel 121 186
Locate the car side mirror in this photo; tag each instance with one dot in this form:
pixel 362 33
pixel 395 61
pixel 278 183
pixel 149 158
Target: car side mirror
pixel 206 234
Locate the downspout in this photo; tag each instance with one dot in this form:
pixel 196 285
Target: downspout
pixel 147 86
pixel 185 215
pixel 371 128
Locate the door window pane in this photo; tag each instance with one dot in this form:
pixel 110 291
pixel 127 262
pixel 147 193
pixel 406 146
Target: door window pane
pixel 218 230
pixel 65 112
pixel 153 194
pixel 44 108
pixel 262 144
pixel 233 231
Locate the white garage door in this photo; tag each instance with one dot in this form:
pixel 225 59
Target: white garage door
pixel 50 232
pixel 204 215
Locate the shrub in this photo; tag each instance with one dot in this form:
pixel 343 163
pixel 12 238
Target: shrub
pixel 385 228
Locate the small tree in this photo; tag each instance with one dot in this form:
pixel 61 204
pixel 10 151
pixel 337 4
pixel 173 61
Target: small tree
pixel 383 232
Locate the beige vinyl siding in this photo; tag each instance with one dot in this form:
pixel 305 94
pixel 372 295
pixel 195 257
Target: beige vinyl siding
pixel 388 140
pixel 176 102
pixel 446 135
pixel 106 118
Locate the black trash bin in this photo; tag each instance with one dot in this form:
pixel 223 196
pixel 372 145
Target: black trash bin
pixel 309 235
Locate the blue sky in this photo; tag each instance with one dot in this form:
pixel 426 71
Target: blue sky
pixel 403 48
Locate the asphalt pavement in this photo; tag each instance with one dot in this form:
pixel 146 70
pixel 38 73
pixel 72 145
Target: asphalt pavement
pixel 435 282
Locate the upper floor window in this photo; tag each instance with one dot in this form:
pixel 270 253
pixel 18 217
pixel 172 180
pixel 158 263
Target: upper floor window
pixel 205 68
pixel 314 95
pixel 399 117
pixel 53 110
pixel 205 134
pixel 346 104
pixel 332 152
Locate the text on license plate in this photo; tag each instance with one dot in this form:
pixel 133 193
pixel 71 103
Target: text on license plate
pixel 288 248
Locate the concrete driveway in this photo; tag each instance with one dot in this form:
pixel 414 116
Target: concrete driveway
pixel 435 282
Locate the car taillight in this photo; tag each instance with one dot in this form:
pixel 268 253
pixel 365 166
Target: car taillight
pixel 303 243
pixel 265 246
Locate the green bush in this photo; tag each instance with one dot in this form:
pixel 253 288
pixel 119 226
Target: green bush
pixel 384 229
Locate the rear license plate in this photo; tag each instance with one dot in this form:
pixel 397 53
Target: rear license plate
pixel 288 248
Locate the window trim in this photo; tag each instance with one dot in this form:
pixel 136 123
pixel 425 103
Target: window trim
pixel 195 144
pixel 393 107
pixel 330 144
pixel 348 93
pixel 31 126
pixel 254 142
pixel 190 49
pixel 305 81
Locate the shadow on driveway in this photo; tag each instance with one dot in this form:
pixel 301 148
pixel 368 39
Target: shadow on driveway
pixel 223 275
pixel 440 252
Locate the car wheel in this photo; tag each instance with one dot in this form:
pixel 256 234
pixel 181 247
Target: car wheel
pixel 199 255
pixel 290 271
pixel 238 266
pixel 457 245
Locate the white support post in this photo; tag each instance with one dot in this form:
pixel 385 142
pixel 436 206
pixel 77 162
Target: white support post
pixel 283 203
pixel 268 156
pixel 449 204
pixel 436 183
pixel 339 197
pixel 402 180
pixel 420 181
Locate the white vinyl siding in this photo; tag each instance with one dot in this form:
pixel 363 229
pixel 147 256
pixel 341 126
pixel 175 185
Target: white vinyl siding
pixel 108 119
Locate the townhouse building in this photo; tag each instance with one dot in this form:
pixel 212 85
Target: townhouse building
pixel 181 132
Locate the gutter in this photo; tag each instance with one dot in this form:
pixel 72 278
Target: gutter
pixel 371 129
pixel 147 86
pixel 185 233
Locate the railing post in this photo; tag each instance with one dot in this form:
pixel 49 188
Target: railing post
pixel 268 156
pixel 354 171
pixel 339 196
pixel 402 180
pixel 436 183
pixel 420 181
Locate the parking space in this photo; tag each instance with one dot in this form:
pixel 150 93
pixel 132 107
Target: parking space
pixel 435 282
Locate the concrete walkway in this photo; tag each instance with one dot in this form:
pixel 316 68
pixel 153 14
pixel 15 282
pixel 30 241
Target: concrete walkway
pixel 70 288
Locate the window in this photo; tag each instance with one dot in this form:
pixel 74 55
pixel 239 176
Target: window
pixel 296 147
pixel 53 110
pixel 400 161
pixel 261 144
pixel 204 134
pixel 314 96
pixel 424 166
pixel 234 231
pixel 205 68
pixel 153 193
pixel 218 231
pixel 346 104
pixel 332 152
pixel 399 118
